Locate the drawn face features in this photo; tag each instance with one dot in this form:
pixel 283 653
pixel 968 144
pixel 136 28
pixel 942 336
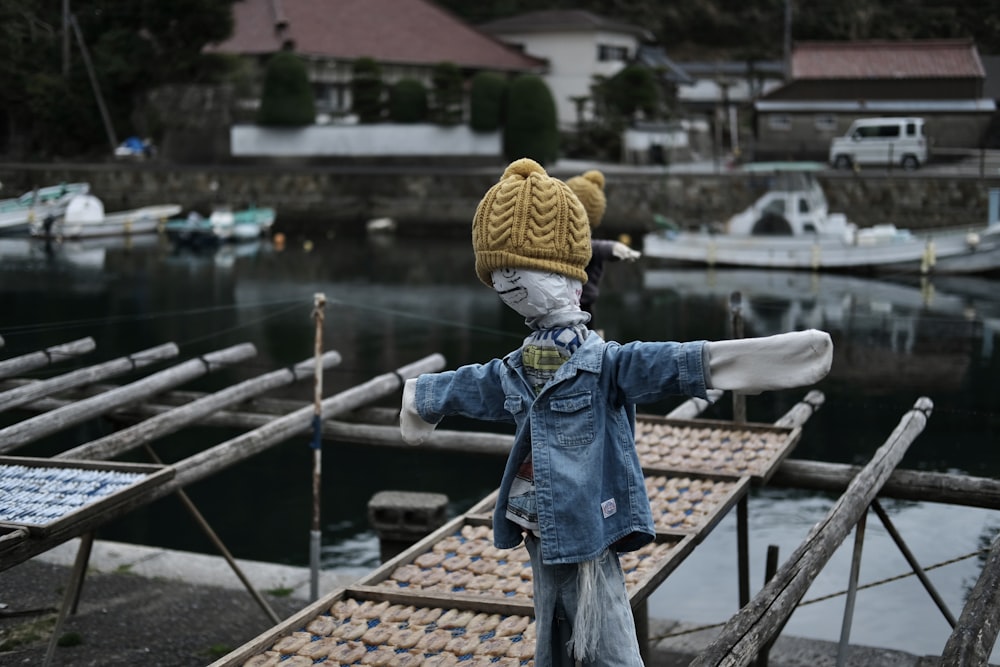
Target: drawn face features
pixel 534 294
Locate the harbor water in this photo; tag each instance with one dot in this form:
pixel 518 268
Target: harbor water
pixel 393 300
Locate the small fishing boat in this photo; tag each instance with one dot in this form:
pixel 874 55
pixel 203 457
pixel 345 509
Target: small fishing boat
pixel 246 224
pixel 791 227
pixel 17 213
pixel 221 226
pixel 85 217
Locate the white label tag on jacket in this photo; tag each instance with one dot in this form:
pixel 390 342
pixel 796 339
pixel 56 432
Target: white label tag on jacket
pixel 609 507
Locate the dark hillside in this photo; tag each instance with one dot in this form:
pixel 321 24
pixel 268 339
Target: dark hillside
pixel 756 28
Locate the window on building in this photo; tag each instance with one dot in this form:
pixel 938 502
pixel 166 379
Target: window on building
pixel 780 122
pixel 609 53
pixel 826 123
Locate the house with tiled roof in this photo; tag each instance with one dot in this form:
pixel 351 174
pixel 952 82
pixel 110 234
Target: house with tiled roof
pixel 577 45
pixel 408 38
pixel 830 84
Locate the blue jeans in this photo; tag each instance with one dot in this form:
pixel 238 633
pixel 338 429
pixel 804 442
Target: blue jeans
pixel 556 601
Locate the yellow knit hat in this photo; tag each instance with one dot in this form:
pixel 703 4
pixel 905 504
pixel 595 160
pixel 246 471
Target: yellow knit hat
pixel 589 189
pixel 530 220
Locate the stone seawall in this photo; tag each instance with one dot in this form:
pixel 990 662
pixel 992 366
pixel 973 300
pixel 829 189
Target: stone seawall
pixel 433 196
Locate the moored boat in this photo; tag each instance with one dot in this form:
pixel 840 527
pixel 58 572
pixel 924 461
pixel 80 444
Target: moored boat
pixel 245 224
pixel 17 213
pixel 85 217
pixel 791 227
pixel 222 225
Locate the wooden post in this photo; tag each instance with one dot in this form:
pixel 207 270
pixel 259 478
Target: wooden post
pixel 35 390
pixel 34 360
pixel 171 419
pixel 754 626
pixel 210 533
pixel 315 535
pixel 47 423
pixel 843 646
pixel 972 640
pixel 736 323
pixel 912 560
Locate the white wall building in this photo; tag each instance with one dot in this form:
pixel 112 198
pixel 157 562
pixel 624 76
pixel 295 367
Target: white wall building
pixel 577 46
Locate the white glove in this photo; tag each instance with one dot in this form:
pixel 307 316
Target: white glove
pixel 753 365
pixel 622 251
pixel 411 425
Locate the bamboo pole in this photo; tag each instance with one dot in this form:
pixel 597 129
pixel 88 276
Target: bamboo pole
pixel 315 534
pixel 173 419
pixel 903 484
pixel 800 413
pixel 35 360
pixel 972 640
pixel 56 420
pixel 757 623
pixel 35 390
pixel 214 459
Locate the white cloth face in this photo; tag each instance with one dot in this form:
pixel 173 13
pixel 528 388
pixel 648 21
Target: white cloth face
pixel 535 294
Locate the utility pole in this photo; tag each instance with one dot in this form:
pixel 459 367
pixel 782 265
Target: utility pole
pixel 93 84
pixel 65 44
pixel 788 40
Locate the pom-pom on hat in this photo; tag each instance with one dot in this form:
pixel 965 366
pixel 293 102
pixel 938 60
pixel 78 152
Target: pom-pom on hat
pixel 530 220
pixel 589 189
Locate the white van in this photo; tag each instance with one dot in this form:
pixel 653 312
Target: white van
pixel 881 141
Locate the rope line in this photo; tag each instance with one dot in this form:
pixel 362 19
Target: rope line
pixel 823 598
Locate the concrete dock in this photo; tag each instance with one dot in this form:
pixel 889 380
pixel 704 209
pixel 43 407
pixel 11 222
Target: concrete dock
pixel 157 607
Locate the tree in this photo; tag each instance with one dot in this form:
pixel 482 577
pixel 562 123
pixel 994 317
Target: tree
pixel 366 90
pixel 487 95
pixel 134 48
pixel 633 88
pixel 408 101
pixel 446 105
pixel 531 129
pixel 287 99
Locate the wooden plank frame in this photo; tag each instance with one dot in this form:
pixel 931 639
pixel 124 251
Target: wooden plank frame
pixel 11 535
pixel 152 476
pixel 725 492
pixel 713 446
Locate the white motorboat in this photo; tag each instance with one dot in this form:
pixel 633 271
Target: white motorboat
pixel 85 217
pixel 791 227
pixel 17 213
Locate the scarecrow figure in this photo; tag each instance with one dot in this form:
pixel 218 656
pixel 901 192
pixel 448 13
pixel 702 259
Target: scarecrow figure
pixel 589 189
pixel 573 489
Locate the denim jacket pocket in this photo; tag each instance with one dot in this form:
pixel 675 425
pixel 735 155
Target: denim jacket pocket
pixel 573 419
pixel 514 405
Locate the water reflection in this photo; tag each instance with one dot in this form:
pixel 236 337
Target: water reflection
pixel 392 300
pixel 879 327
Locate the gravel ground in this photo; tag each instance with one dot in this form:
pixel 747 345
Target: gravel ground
pixel 126 619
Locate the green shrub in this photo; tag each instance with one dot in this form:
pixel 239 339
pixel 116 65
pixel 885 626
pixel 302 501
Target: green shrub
pixel 487 95
pixel 633 89
pixel 446 105
pixel 408 101
pixel 366 90
pixel 287 98
pixel 531 129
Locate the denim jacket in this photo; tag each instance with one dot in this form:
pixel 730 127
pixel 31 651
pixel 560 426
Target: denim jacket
pixel 591 492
